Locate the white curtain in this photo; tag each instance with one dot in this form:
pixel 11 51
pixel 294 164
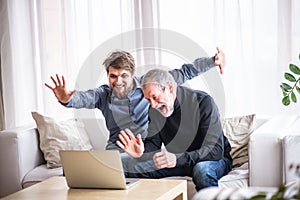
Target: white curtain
pixel 18 62
pixel 40 38
pixel 259 38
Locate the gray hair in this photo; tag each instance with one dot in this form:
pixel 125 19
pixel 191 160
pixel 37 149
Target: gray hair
pixel 159 77
pixel 120 59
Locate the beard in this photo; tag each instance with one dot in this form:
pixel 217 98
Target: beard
pixel 164 109
pixel 121 94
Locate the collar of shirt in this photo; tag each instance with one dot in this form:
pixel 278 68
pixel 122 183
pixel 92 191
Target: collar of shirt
pixel 137 86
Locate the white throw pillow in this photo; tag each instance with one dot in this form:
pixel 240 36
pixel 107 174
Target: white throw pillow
pixel 58 135
pixel 238 130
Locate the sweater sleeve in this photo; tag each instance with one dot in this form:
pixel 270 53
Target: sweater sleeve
pixel 212 147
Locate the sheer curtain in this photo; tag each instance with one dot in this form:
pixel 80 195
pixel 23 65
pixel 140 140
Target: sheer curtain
pixel 18 62
pixel 40 38
pixel 259 38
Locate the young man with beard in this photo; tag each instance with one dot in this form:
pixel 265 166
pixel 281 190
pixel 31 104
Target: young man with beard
pixel 188 123
pixel 122 102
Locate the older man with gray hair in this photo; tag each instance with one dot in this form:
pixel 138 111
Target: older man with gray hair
pixel 188 123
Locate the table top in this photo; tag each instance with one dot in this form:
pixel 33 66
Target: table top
pixel 56 188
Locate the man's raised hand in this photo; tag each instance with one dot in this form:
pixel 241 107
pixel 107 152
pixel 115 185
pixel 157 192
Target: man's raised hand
pixel 220 60
pixel 60 89
pixel 132 145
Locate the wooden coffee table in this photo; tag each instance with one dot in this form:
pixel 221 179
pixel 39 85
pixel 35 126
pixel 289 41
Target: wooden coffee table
pixel 56 188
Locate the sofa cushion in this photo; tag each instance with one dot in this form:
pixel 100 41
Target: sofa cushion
pixel 237 178
pixel 56 135
pixel 39 174
pixel 237 130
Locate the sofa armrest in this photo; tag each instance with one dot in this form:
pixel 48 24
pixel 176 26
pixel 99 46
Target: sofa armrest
pixel 265 151
pixel 19 153
pixel 291 149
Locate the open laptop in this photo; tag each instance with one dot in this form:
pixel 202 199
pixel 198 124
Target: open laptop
pixel 94 169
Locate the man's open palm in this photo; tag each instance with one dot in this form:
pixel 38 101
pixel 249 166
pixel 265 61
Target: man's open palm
pixel 60 90
pixel 132 145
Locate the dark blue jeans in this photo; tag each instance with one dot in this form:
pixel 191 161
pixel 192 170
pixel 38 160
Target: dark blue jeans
pixel 204 174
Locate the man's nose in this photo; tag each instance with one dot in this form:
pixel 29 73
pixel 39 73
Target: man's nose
pixel 119 80
pixel 152 103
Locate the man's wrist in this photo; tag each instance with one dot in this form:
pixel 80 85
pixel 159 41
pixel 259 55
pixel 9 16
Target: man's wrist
pixel 67 104
pixel 138 155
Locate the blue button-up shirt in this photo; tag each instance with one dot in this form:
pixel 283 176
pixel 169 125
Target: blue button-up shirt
pixel 131 112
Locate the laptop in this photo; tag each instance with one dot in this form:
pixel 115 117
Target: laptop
pixel 94 169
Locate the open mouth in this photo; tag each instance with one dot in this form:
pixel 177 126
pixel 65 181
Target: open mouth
pixel 161 107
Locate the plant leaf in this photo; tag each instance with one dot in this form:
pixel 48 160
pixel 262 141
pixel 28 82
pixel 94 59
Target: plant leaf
pixel 286 100
pixel 259 196
pixel 298 89
pixel 293 97
pixel 286 87
pixel 284 93
pixel 289 77
pixel 283 90
pixel 299 56
pixel 279 194
pixel 295 69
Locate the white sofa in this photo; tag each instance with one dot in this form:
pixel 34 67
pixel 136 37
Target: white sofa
pixel 22 163
pixel 273 147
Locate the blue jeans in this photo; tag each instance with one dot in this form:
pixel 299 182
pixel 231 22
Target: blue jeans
pixel 204 173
